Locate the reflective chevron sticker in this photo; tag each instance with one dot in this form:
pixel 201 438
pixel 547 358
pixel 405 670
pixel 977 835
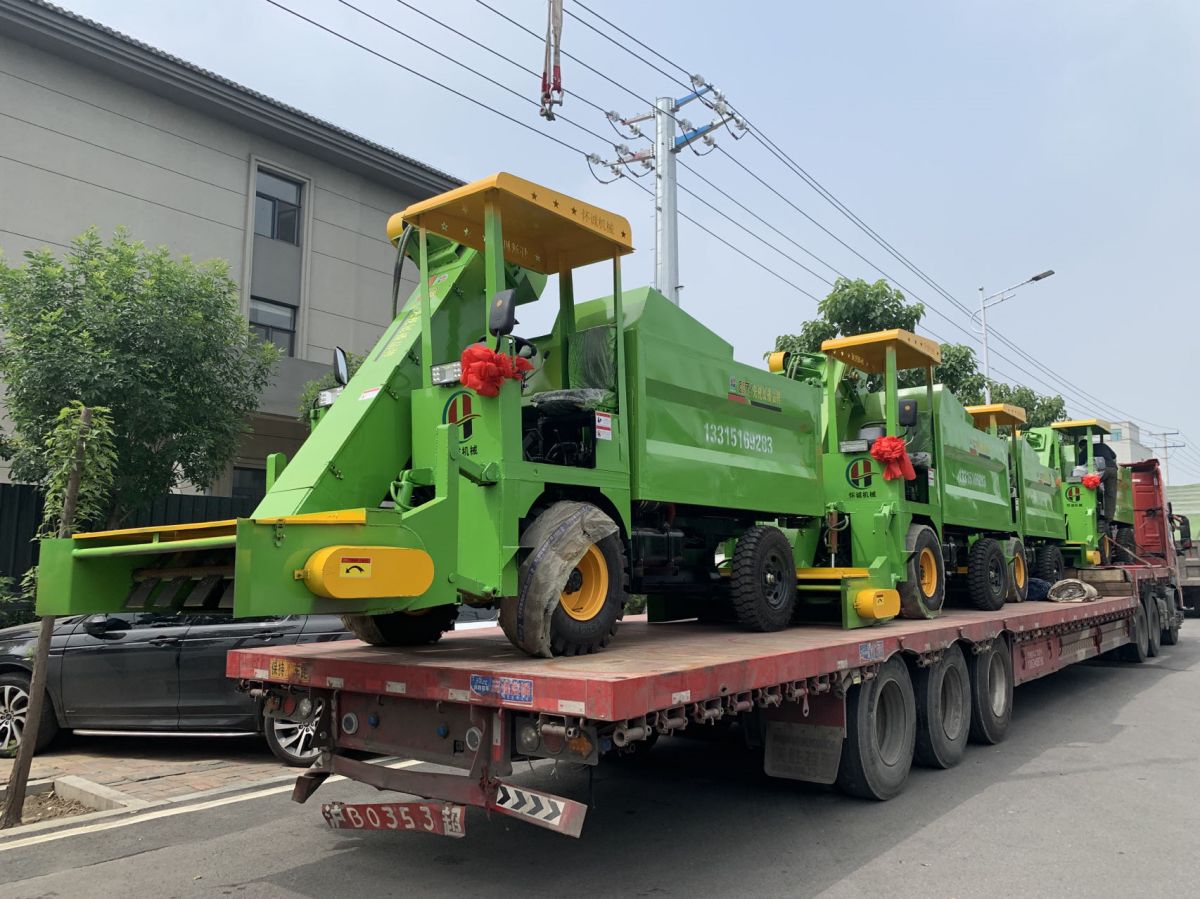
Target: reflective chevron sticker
pixel 553 812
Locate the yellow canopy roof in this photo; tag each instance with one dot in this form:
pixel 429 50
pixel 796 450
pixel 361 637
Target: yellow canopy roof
pixel 868 352
pixel 544 230
pixel 1003 412
pixel 1080 425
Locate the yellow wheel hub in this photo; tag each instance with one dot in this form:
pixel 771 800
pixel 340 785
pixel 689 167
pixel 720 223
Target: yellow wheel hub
pixel 585 603
pixel 927 567
pixel 1019 570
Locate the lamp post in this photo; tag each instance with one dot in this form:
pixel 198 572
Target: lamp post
pixel 986 303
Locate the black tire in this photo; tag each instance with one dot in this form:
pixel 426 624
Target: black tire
pixel 923 591
pixel 1127 544
pixel 1170 633
pixel 987 575
pixel 763 582
pixel 1137 650
pixel 1191 602
pixel 881 733
pixel 1153 626
pixel 1018 574
pixel 402 628
pixel 943 693
pixel 14 706
pixel 1049 565
pixel 991 692
pixel 571 636
pixel 291 742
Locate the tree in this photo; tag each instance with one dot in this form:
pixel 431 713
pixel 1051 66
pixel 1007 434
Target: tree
pixel 858 307
pixel 308 395
pixel 161 342
pixel 79 459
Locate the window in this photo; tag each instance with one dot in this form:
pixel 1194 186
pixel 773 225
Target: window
pixel 1115 435
pixel 275 323
pixel 277 208
pixel 249 483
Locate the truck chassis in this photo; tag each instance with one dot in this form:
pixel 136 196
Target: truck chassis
pixel 474 703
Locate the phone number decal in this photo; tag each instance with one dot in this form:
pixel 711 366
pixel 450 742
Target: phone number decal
pixel 724 435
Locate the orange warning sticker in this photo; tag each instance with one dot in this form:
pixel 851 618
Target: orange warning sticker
pixel 355 566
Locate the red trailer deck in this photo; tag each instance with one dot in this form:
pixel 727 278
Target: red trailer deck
pixel 827 705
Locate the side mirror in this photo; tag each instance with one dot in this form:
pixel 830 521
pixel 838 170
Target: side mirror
pixel 341 367
pixel 99 625
pixel 907 413
pixel 502 314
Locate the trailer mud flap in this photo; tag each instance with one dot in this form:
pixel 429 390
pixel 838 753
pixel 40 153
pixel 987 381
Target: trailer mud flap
pixel 804 742
pixel 546 810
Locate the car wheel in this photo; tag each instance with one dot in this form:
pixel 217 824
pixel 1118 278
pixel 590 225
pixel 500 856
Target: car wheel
pixel 293 742
pixel 14 709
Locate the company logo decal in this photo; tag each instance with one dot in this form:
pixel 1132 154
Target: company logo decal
pixel 859 474
pixel 457 412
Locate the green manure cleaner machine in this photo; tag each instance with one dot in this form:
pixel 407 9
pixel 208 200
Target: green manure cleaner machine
pixel 551 477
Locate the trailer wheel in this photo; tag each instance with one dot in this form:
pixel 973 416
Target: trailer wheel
pixel 403 628
pixel 1049 565
pixel 991 692
pixel 763 582
pixel 924 587
pixel 1137 650
pixel 943 692
pixel 881 732
pixel 1018 574
pixel 1153 625
pixel 987 575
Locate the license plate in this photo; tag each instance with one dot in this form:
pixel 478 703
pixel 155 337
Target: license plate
pixel 443 818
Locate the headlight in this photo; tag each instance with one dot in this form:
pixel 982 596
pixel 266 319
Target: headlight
pixel 326 397
pixel 448 373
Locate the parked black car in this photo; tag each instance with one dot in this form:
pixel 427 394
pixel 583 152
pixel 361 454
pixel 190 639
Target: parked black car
pixel 143 671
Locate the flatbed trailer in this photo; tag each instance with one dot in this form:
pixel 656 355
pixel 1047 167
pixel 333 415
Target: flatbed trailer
pixel 826 705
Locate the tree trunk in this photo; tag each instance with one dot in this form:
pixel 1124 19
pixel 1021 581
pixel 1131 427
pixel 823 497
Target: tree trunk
pixel 14 801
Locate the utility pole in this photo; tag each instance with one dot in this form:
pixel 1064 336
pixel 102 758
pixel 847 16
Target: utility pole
pixel 668 142
pixel 986 303
pixel 1166 451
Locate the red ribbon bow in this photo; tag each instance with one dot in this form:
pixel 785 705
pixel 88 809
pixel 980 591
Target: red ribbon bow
pixel 1091 481
pixel 892 452
pixel 484 370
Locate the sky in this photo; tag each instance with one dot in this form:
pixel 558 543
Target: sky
pixel 985 141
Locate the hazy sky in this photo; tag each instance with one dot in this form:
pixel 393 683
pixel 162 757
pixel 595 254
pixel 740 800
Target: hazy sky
pixel 985 140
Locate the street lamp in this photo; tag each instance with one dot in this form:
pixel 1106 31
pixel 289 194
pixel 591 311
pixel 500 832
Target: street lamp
pixel 986 303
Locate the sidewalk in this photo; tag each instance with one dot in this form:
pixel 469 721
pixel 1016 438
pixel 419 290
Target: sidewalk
pixel 156 768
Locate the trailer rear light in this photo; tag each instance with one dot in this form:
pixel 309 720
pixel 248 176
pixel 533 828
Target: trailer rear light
pixel 448 373
pixel 852 446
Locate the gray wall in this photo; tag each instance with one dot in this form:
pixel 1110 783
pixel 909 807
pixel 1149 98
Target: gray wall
pixel 79 148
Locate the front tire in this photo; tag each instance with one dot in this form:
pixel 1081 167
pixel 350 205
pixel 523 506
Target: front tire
pixel 924 589
pixel 14 709
pixel 881 733
pixel 592 601
pixel 763 581
pixel 1018 574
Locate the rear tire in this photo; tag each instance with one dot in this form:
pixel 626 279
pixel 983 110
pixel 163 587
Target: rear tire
pixel 881 732
pixel 943 692
pixel 991 692
pixel 402 628
pixel 1170 633
pixel 763 583
pixel 1049 565
pixel 1153 626
pixel 1018 574
pixel 14 707
pixel 987 575
pixel 1137 650
pixel 924 589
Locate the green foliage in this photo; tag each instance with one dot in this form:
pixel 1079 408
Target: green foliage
pixel 308 395
pixel 160 342
pixel 71 442
pixel 858 307
pixel 14 608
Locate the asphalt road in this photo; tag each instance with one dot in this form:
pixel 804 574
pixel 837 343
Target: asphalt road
pixel 1095 793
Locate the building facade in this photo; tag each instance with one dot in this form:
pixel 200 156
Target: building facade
pixel 1126 441
pixel 97 129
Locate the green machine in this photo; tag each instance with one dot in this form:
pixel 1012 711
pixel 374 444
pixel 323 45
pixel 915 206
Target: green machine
pixel 626 451
pixel 952 523
pixel 1068 448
